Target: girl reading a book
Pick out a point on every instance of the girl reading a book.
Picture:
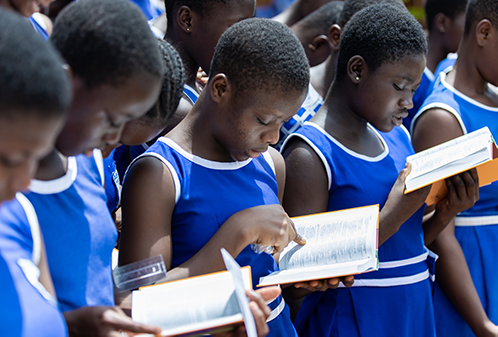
(466, 99)
(352, 154)
(213, 181)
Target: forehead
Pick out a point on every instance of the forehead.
(27, 132)
(277, 103)
(409, 67)
(229, 11)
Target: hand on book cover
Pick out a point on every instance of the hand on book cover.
(322, 285)
(104, 321)
(259, 309)
(268, 225)
(463, 192)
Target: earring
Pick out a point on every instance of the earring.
(357, 78)
(312, 47)
(441, 29)
(188, 29)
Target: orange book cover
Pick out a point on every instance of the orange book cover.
(487, 172)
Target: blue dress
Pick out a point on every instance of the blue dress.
(396, 300)
(207, 194)
(117, 162)
(78, 231)
(26, 308)
(310, 106)
(37, 25)
(419, 96)
(476, 228)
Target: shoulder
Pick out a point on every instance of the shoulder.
(433, 127)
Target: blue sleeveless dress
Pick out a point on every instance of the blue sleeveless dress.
(190, 94)
(207, 194)
(26, 308)
(312, 103)
(476, 228)
(78, 231)
(116, 164)
(419, 96)
(395, 300)
(34, 20)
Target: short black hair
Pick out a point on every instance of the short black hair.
(261, 54)
(478, 10)
(172, 87)
(324, 17)
(450, 8)
(380, 33)
(106, 42)
(32, 79)
(353, 6)
(198, 6)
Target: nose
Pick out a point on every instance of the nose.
(113, 135)
(407, 101)
(271, 136)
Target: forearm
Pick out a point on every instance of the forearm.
(208, 259)
(453, 275)
(433, 225)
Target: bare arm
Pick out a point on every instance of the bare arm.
(434, 127)
(455, 279)
(147, 208)
(306, 192)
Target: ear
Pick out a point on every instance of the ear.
(441, 23)
(335, 37)
(484, 32)
(320, 50)
(357, 69)
(220, 88)
(184, 18)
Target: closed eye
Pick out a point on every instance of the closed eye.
(261, 122)
(397, 87)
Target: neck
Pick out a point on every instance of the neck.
(195, 132)
(53, 166)
(436, 52)
(465, 76)
(291, 15)
(342, 121)
(190, 65)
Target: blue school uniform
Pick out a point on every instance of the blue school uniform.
(112, 182)
(78, 231)
(37, 23)
(207, 194)
(476, 228)
(310, 106)
(190, 94)
(443, 67)
(396, 300)
(419, 96)
(26, 308)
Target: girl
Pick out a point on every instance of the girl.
(33, 100)
(116, 77)
(212, 182)
(466, 295)
(350, 155)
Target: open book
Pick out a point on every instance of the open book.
(198, 305)
(337, 244)
(458, 155)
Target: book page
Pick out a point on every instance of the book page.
(443, 154)
(187, 304)
(340, 237)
